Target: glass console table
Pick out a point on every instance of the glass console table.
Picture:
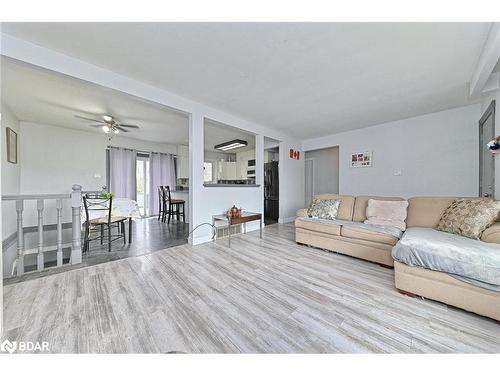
(243, 219)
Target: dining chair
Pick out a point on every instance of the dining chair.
(161, 203)
(95, 205)
(174, 206)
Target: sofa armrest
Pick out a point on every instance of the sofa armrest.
(492, 234)
(302, 212)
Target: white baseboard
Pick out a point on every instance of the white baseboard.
(286, 220)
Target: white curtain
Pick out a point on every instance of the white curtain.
(122, 172)
(161, 173)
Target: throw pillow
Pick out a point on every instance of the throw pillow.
(324, 209)
(388, 213)
(469, 217)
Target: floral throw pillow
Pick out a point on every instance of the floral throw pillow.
(324, 209)
(469, 217)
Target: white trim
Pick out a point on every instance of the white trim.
(487, 61)
(287, 220)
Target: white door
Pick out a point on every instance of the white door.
(309, 180)
(486, 158)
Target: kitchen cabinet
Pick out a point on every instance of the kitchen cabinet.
(182, 161)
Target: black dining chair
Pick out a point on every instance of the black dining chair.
(161, 203)
(174, 206)
(95, 203)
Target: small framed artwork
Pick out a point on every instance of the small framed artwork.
(361, 159)
(11, 146)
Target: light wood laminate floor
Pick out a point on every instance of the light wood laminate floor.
(260, 296)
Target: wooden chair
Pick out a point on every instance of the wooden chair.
(174, 206)
(94, 203)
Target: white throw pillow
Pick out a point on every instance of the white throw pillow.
(388, 213)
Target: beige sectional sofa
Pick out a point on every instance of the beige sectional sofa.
(377, 247)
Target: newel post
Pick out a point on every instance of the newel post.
(76, 243)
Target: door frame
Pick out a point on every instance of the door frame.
(313, 176)
(490, 112)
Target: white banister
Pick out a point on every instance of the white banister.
(59, 207)
(75, 198)
(39, 258)
(20, 237)
(76, 203)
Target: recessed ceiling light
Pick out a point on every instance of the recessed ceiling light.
(231, 145)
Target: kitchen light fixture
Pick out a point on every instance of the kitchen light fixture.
(231, 145)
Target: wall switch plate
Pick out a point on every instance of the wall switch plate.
(97, 175)
(397, 172)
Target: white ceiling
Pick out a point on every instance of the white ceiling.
(42, 96)
(309, 79)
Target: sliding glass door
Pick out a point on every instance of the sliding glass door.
(142, 173)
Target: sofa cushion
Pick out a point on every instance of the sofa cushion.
(492, 234)
(388, 213)
(470, 260)
(427, 211)
(346, 204)
(367, 232)
(469, 217)
(361, 204)
(318, 225)
(324, 209)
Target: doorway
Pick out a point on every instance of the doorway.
(309, 181)
(326, 162)
(271, 181)
(142, 181)
(486, 158)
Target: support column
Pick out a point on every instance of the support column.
(196, 189)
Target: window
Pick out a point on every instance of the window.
(208, 168)
(142, 178)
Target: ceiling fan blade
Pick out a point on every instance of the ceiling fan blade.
(121, 129)
(96, 126)
(89, 119)
(129, 126)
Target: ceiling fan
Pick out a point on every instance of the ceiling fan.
(108, 124)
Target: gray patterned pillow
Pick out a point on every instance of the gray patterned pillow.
(324, 209)
(469, 217)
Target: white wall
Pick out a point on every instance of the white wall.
(437, 154)
(292, 186)
(11, 176)
(326, 170)
(485, 102)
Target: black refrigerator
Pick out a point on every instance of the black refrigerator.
(271, 190)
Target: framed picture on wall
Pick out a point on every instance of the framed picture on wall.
(11, 146)
(361, 159)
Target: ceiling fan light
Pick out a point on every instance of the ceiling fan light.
(116, 131)
(107, 118)
(106, 129)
